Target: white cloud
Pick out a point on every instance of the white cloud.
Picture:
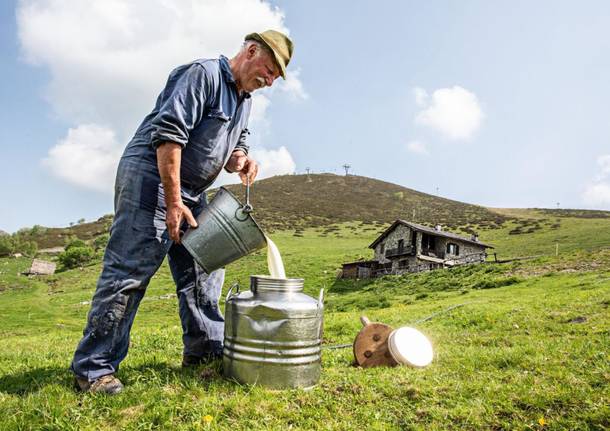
(258, 114)
(597, 193)
(273, 162)
(604, 167)
(421, 96)
(292, 86)
(109, 59)
(454, 112)
(270, 162)
(86, 157)
(418, 147)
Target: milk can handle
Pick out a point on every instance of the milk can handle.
(231, 293)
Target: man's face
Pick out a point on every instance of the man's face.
(259, 70)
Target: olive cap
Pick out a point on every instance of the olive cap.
(279, 44)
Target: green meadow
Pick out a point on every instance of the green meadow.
(523, 345)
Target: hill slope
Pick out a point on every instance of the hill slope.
(296, 202)
(290, 201)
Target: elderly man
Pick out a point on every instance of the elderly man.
(198, 126)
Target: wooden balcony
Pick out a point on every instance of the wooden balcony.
(400, 251)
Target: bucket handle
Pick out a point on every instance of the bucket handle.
(230, 293)
(242, 213)
(247, 207)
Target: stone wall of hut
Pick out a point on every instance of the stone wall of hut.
(391, 241)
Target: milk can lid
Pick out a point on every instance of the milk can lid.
(267, 283)
(409, 346)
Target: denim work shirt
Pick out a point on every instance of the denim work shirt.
(199, 109)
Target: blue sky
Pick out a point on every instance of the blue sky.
(498, 104)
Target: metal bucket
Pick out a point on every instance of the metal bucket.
(225, 233)
(273, 334)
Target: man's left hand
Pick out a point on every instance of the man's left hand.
(242, 164)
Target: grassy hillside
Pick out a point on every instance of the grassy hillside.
(533, 232)
(48, 237)
(297, 202)
(527, 348)
(290, 201)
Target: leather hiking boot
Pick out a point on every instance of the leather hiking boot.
(104, 385)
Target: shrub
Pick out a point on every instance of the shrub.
(16, 243)
(494, 283)
(101, 241)
(28, 248)
(76, 256)
(75, 243)
(7, 245)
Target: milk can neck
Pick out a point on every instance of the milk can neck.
(260, 283)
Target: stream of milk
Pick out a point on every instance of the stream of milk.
(274, 260)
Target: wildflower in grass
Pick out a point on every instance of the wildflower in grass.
(208, 419)
(541, 421)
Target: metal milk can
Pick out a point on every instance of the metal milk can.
(273, 334)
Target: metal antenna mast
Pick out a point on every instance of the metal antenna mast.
(346, 167)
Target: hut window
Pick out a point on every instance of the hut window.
(453, 249)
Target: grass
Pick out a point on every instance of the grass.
(573, 234)
(526, 349)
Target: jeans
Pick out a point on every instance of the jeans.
(137, 246)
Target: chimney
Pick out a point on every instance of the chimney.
(438, 228)
(474, 237)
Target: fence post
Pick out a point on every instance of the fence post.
(556, 249)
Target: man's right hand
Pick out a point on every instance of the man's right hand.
(168, 162)
(174, 216)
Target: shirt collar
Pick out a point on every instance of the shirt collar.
(227, 74)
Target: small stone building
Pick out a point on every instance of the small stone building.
(411, 247)
(41, 267)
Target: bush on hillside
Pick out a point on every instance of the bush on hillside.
(101, 241)
(7, 245)
(75, 257)
(15, 243)
(75, 243)
(27, 248)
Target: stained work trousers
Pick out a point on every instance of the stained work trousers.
(138, 244)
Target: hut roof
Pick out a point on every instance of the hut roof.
(427, 230)
(41, 267)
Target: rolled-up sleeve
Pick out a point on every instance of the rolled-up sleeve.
(183, 104)
(241, 142)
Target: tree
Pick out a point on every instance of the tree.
(28, 248)
(76, 256)
(7, 245)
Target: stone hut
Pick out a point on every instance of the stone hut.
(41, 267)
(411, 247)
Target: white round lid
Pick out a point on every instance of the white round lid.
(411, 347)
